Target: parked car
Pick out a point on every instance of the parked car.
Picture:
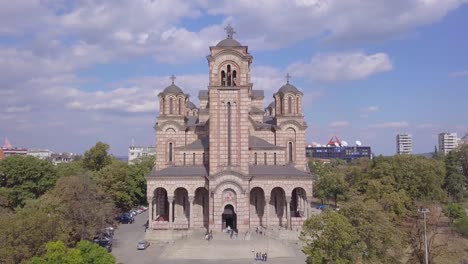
(132, 212)
(144, 208)
(107, 244)
(143, 244)
(126, 219)
(139, 211)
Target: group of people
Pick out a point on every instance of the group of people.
(232, 233)
(261, 256)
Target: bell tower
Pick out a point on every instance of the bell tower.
(229, 104)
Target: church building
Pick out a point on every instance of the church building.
(229, 162)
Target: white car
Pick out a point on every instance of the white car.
(143, 244)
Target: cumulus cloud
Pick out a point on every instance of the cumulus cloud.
(370, 109)
(339, 124)
(459, 74)
(342, 66)
(427, 125)
(18, 109)
(399, 124)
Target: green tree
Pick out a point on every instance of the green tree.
(83, 207)
(24, 234)
(94, 254)
(97, 157)
(57, 253)
(138, 173)
(330, 237)
(70, 169)
(383, 240)
(454, 212)
(23, 178)
(462, 152)
(84, 253)
(115, 180)
(331, 181)
(454, 181)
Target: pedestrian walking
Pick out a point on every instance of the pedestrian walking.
(266, 256)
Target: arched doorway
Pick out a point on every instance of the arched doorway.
(229, 217)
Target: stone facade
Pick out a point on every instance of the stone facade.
(228, 162)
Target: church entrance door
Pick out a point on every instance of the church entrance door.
(229, 217)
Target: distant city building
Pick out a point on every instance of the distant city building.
(447, 142)
(40, 153)
(463, 140)
(336, 149)
(136, 152)
(57, 158)
(9, 150)
(404, 143)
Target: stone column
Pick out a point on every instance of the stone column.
(288, 211)
(171, 201)
(267, 213)
(150, 212)
(191, 200)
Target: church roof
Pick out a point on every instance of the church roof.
(271, 105)
(191, 105)
(172, 89)
(191, 171)
(258, 143)
(203, 94)
(289, 88)
(229, 42)
(256, 110)
(258, 94)
(277, 170)
(199, 144)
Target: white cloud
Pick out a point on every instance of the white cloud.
(399, 124)
(342, 66)
(427, 125)
(370, 109)
(459, 74)
(339, 124)
(18, 109)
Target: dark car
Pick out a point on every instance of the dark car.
(105, 243)
(126, 219)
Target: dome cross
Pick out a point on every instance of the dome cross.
(172, 78)
(287, 78)
(229, 30)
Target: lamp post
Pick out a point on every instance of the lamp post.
(424, 211)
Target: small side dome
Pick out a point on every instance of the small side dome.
(172, 89)
(289, 88)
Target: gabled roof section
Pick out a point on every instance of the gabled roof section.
(203, 94)
(256, 110)
(258, 94)
(277, 170)
(258, 143)
(183, 171)
(199, 144)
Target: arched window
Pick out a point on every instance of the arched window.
(204, 158)
(223, 78)
(228, 77)
(289, 105)
(297, 105)
(193, 158)
(229, 133)
(234, 80)
(184, 159)
(180, 106)
(280, 105)
(264, 158)
(290, 147)
(170, 106)
(255, 157)
(170, 152)
(274, 158)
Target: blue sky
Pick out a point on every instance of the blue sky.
(76, 72)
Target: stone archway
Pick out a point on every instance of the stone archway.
(181, 209)
(279, 206)
(200, 208)
(257, 207)
(229, 217)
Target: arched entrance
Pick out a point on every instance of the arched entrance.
(229, 217)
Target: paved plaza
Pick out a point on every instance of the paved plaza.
(195, 249)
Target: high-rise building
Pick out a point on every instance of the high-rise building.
(404, 143)
(447, 142)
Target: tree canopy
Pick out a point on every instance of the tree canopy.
(97, 157)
